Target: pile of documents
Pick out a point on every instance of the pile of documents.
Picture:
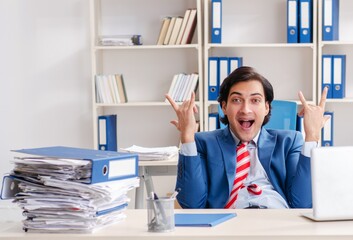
(157, 153)
(80, 194)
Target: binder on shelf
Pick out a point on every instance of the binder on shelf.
(305, 21)
(107, 133)
(163, 30)
(300, 125)
(234, 63)
(216, 28)
(213, 121)
(292, 21)
(213, 78)
(330, 20)
(176, 30)
(327, 131)
(327, 74)
(221, 115)
(183, 26)
(105, 165)
(223, 69)
(190, 27)
(339, 76)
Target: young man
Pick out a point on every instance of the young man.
(279, 159)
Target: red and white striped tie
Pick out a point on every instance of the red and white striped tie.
(241, 173)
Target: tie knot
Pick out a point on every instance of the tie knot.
(242, 145)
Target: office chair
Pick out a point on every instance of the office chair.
(283, 115)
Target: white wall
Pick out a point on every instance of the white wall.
(45, 82)
(45, 94)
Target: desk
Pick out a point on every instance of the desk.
(250, 224)
(153, 168)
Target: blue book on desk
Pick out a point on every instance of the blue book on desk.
(201, 219)
(105, 165)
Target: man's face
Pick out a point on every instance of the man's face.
(246, 109)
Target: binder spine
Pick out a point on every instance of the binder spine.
(292, 21)
(330, 20)
(216, 28)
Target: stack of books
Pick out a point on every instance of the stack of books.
(63, 189)
(178, 30)
(110, 89)
(182, 86)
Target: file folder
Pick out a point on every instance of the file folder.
(221, 115)
(300, 125)
(107, 133)
(327, 74)
(213, 78)
(105, 165)
(223, 70)
(339, 76)
(201, 219)
(330, 20)
(213, 121)
(327, 131)
(292, 21)
(216, 28)
(306, 19)
(234, 63)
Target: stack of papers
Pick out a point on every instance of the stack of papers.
(55, 195)
(148, 154)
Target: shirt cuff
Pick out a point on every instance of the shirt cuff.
(188, 149)
(307, 147)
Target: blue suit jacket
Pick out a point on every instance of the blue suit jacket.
(206, 179)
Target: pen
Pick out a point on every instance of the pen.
(175, 193)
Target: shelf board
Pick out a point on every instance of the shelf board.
(323, 43)
(339, 100)
(138, 47)
(137, 104)
(262, 45)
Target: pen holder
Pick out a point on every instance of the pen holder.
(160, 214)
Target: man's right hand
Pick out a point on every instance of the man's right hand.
(186, 122)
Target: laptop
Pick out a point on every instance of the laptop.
(332, 183)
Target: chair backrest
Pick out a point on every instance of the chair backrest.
(283, 115)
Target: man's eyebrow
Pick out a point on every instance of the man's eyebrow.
(240, 94)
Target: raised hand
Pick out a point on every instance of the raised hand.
(314, 118)
(186, 122)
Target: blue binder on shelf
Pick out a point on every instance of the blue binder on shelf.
(223, 69)
(105, 165)
(213, 121)
(330, 20)
(213, 78)
(292, 21)
(327, 131)
(221, 115)
(300, 125)
(339, 76)
(216, 23)
(327, 74)
(305, 21)
(107, 133)
(234, 63)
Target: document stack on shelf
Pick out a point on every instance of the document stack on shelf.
(157, 153)
(64, 190)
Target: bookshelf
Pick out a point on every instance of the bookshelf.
(259, 36)
(147, 69)
(342, 131)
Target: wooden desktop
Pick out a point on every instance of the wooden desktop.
(249, 224)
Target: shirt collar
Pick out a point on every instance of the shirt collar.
(253, 142)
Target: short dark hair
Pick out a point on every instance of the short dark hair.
(244, 74)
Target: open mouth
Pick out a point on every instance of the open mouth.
(246, 123)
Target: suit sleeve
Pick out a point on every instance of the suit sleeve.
(298, 177)
(192, 180)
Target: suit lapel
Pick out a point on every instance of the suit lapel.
(228, 148)
(266, 146)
